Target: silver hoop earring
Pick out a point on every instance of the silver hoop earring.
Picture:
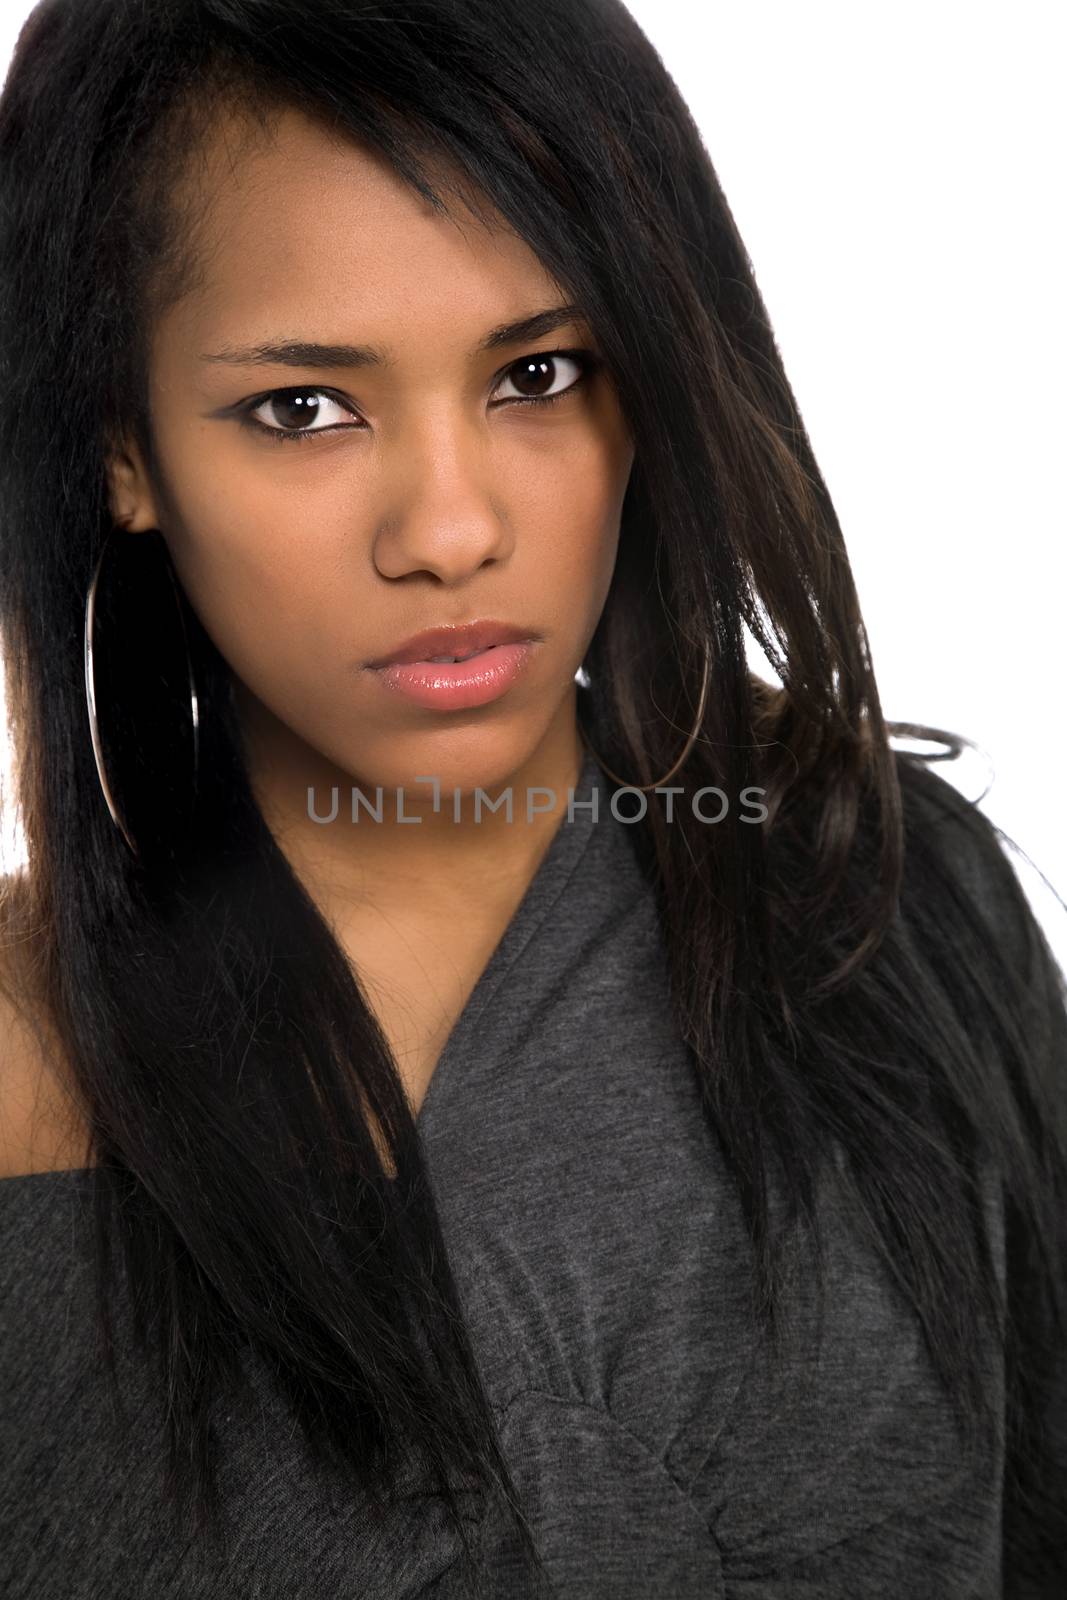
(690, 742)
(92, 671)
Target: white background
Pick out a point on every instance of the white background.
(896, 174)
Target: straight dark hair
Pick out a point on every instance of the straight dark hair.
(842, 991)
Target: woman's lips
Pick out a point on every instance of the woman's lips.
(456, 686)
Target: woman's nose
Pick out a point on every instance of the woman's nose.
(447, 513)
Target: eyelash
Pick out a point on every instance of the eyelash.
(587, 361)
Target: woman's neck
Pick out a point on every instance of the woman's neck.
(441, 852)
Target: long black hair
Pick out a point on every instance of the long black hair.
(841, 989)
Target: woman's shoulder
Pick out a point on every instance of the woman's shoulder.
(942, 823)
(39, 1130)
(962, 897)
(951, 844)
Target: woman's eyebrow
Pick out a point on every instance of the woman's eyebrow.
(306, 353)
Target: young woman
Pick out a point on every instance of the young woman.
(655, 1189)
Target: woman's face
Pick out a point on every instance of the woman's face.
(393, 495)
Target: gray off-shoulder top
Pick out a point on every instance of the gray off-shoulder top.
(600, 1254)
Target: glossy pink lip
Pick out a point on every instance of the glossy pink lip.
(460, 639)
(457, 686)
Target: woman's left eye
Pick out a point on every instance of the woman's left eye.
(541, 369)
(301, 413)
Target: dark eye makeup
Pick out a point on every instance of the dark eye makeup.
(587, 361)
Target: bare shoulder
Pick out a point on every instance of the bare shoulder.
(39, 1129)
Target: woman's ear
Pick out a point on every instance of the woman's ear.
(129, 492)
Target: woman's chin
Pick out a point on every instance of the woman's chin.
(440, 769)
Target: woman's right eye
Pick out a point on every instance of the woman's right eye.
(298, 413)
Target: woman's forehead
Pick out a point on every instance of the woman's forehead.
(307, 235)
